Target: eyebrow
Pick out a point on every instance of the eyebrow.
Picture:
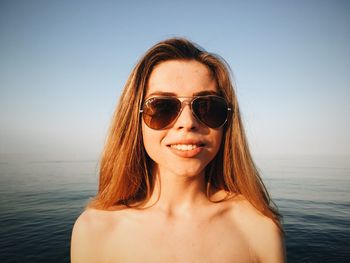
(172, 94)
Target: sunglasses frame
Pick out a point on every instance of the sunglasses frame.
(188, 101)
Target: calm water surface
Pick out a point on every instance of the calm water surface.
(40, 201)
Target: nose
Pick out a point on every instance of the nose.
(186, 119)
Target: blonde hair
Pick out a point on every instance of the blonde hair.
(125, 168)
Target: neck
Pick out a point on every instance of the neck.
(176, 194)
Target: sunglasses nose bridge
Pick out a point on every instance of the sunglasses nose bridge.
(186, 101)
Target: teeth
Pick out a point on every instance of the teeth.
(184, 147)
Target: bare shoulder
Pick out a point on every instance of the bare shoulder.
(263, 235)
(91, 221)
(88, 232)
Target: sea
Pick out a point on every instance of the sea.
(40, 201)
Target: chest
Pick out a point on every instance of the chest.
(188, 241)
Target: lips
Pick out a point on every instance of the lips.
(186, 149)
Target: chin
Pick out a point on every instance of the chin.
(185, 170)
(184, 167)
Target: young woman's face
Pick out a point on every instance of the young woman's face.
(186, 146)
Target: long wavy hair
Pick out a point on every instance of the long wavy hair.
(125, 168)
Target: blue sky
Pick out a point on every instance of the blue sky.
(64, 63)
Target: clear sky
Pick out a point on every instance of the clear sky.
(63, 65)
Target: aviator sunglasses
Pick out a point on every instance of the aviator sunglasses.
(161, 111)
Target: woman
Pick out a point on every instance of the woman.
(177, 181)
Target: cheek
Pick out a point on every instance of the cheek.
(151, 140)
(217, 138)
(147, 138)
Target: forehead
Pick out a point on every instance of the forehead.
(181, 78)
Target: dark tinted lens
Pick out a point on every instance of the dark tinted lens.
(160, 112)
(210, 110)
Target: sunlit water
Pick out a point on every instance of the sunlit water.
(39, 202)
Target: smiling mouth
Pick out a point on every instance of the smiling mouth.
(185, 147)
